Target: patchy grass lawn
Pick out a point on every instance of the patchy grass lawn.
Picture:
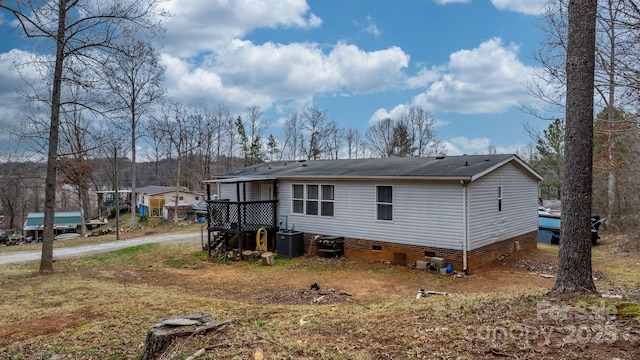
(100, 307)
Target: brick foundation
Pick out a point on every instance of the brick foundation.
(401, 254)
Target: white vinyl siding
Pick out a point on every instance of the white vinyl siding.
(502, 205)
(228, 191)
(427, 214)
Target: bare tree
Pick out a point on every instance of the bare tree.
(334, 140)
(316, 128)
(157, 146)
(574, 262)
(353, 142)
(12, 191)
(133, 75)
(175, 122)
(78, 139)
(224, 134)
(78, 29)
(380, 136)
(421, 126)
(292, 136)
(205, 124)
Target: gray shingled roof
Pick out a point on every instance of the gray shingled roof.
(465, 167)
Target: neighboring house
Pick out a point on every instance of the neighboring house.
(62, 222)
(107, 201)
(466, 209)
(152, 199)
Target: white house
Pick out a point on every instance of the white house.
(152, 199)
(466, 209)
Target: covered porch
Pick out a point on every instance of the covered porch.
(237, 208)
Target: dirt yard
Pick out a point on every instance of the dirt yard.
(318, 308)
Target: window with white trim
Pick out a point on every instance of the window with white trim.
(384, 203)
(499, 198)
(313, 199)
(326, 205)
(297, 206)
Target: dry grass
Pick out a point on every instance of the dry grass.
(100, 307)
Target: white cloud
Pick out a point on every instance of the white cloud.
(488, 79)
(422, 78)
(382, 114)
(20, 63)
(204, 25)
(528, 7)
(245, 73)
(18, 66)
(369, 27)
(471, 146)
(461, 145)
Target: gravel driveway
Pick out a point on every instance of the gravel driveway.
(21, 257)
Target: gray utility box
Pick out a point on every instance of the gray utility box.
(290, 244)
(438, 263)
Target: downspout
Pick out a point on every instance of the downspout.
(465, 238)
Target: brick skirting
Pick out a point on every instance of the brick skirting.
(401, 254)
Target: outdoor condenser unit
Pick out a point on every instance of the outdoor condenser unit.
(438, 263)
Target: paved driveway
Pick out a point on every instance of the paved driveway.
(20, 257)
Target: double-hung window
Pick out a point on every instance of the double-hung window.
(499, 198)
(297, 199)
(326, 207)
(312, 200)
(384, 203)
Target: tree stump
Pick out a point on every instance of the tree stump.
(162, 334)
(247, 255)
(267, 258)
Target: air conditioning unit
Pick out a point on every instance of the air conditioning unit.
(438, 263)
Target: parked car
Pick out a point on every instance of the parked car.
(3, 238)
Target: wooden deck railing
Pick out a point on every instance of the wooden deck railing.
(233, 216)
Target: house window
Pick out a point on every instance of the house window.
(384, 202)
(327, 201)
(499, 198)
(312, 200)
(298, 199)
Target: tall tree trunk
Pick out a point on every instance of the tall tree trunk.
(611, 136)
(86, 214)
(46, 261)
(574, 263)
(134, 200)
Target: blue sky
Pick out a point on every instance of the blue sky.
(467, 61)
